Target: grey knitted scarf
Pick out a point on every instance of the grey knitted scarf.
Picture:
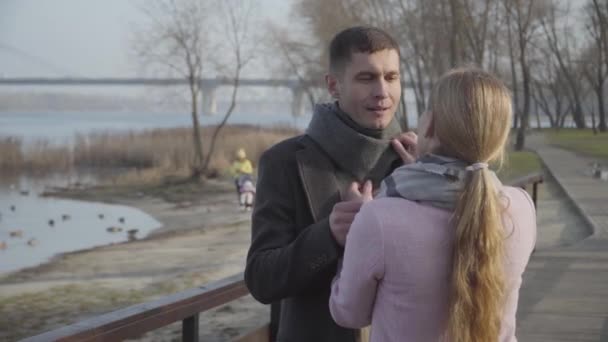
(434, 180)
(354, 149)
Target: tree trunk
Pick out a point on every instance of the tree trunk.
(405, 126)
(454, 34)
(421, 100)
(593, 122)
(562, 122)
(196, 133)
(541, 100)
(538, 126)
(417, 86)
(577, 114)
(601, 108)
(523, 125)
(219, 127)
(513, 74)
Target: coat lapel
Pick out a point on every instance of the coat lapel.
(319, 180)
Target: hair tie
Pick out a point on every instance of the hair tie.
(476, 166)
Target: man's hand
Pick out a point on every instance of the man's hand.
(405, 145)
(343, 213)
(358, 193)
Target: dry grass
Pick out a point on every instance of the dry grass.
(12, 157)
(37, 157)
(151, 154)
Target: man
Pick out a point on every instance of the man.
(310, 187)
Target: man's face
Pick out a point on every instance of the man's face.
(369, 88)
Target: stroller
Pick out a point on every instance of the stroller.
(246, 191)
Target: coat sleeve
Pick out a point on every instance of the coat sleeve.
(353, 290)
(285, 260)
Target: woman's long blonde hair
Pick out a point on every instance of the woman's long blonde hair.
(472, 116)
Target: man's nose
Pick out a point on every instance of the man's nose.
(381, 89)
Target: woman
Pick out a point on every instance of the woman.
(440, 254)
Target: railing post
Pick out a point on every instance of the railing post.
(190, 329)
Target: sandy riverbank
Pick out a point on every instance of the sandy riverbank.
(204, 238)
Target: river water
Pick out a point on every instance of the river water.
(47, 226)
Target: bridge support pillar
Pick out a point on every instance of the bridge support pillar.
(209, 101)
(297, 104)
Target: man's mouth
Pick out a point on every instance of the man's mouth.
(378, 109)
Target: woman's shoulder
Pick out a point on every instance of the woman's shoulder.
(520, 219)
(383, 204)
(402, 213)
(518, 199)
(399, 203)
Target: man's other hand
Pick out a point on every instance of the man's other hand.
(343, 213)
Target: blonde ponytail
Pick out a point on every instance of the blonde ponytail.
(472, 118)
(476, 300)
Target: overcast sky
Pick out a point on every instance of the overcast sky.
(79, 37)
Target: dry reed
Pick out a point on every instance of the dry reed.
(152, 153)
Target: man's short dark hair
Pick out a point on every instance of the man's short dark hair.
(357, 39)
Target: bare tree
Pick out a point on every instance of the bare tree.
(299, 61)
(600, 9)
(453, 14)
(423, 45)
(415, 48)
(236, 15)
(177, 41)
(594, 59)
(476, 27)
(559, 42)
(303, 45)
(550, 92)
(524, 15)
(512, 46)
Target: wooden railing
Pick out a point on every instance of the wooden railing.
(136, 320)
(532, 179)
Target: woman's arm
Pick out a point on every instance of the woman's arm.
(353, 290)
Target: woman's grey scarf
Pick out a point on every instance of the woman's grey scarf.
(355, 150)
(434, 180)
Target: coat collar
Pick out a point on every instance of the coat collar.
(317, 173)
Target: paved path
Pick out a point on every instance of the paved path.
(565, 291)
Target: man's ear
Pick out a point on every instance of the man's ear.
(429, 132)
(331, 81)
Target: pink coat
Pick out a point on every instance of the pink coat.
(397, 263)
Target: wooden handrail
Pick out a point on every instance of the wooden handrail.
(136, 320)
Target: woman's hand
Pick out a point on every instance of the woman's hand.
(405, 146)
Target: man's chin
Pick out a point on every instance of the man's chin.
(378, 125)
(379, 120)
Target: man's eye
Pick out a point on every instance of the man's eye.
(392, 77)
